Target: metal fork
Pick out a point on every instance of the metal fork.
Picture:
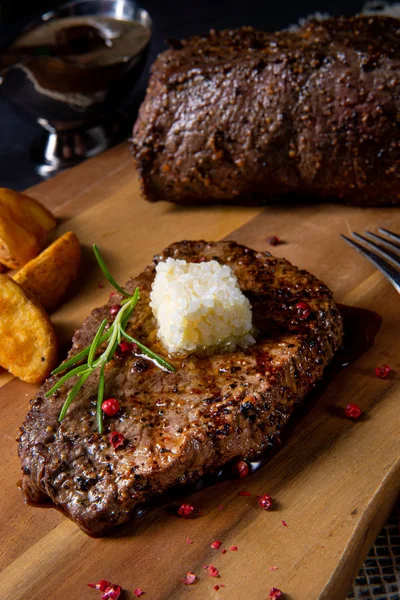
(387, 257)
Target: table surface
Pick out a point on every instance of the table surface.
(334, 482)
(176, 19)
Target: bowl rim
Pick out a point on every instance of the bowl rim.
(51, 14)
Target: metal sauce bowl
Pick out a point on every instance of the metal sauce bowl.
(76, 104)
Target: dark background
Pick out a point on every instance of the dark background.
(172, 19)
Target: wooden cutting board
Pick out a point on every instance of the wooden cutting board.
(334, 483)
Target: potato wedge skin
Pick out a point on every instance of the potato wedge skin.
(24, 224)
(49, 276)
(28, 342)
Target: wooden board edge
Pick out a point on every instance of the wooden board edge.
(364, 536)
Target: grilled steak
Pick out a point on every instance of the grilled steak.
(179, 426)
(245, 116)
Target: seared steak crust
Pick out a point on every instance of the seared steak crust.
(182, 425)
(244, 116)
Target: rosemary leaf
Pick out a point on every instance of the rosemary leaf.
(72, 394)
(77, 371)
(95, 343)
(107, 273)
(134, 300)
(100, 396)
(71, 361)
(78, 357)
(155, 357)
(111, 347)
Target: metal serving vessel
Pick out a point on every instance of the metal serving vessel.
(75, 104)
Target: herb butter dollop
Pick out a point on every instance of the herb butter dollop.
(200, 306)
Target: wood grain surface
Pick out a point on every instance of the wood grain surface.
(334, 482)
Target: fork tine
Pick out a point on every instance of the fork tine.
(379, 238)
(385, 268)
(390, 234)
(373, 246)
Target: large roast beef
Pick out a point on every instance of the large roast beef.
(245, 116)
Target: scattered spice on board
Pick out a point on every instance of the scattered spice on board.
(212, 571)
(101, 585)
(352, 411)
(185, 510)
(110, 591)
(189, 579)
(383, 371)
(273, 240)
(264, 501)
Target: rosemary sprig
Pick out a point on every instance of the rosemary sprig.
(113, 337)
(106, 272)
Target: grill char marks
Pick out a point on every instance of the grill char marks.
(242, 116)
(180, 426)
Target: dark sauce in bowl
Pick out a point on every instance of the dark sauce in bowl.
(70, 72)
(88, 41)
(74, 60)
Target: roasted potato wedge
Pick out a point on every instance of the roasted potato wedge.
(28, 343)
(24, 224)
(49, 276)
